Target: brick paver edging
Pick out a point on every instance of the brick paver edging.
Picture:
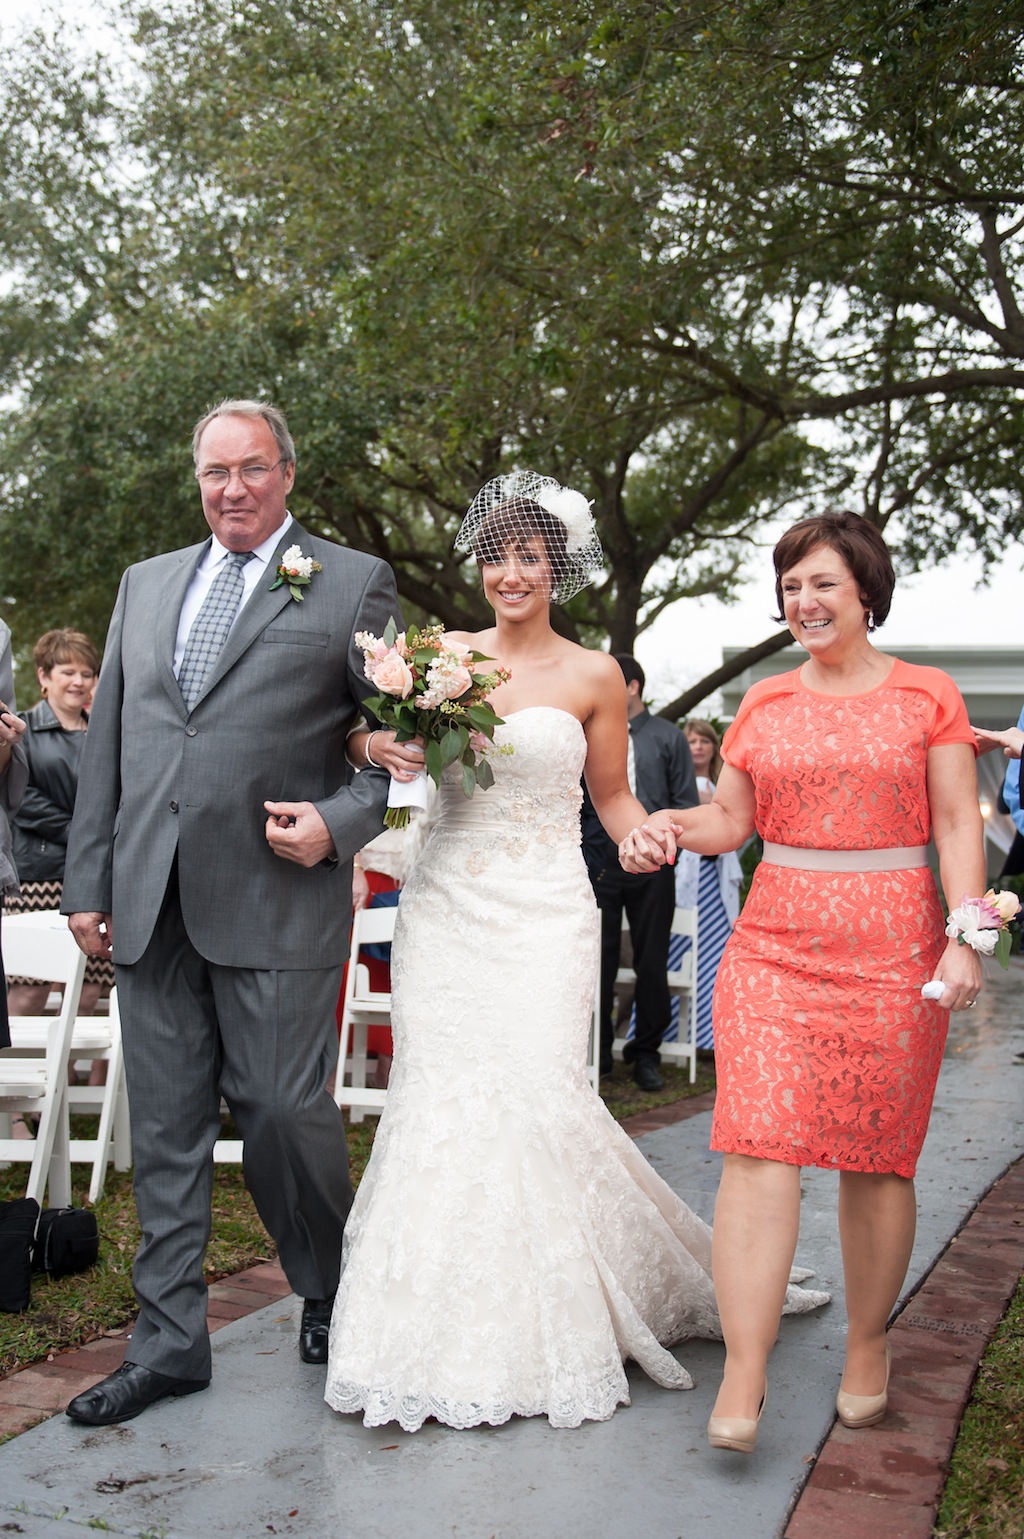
(888, 1480)
(33, 1394)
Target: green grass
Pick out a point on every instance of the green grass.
(984, 1494)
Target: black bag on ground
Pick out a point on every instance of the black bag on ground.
(67, 1240)
(18, 1221)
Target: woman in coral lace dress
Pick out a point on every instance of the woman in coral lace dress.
(827, 1054)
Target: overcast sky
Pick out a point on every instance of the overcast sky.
(941, 607)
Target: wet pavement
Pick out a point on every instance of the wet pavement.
(260, 1453)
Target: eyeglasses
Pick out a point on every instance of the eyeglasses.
(251, 475)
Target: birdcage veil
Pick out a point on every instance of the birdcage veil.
(523, 505)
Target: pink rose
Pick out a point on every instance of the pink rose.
(458, 652)
(479, 741)
(393, 676)
(1005, 904)
(457, 682)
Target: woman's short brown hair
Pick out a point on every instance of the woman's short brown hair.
(64, 646)
(861, 547)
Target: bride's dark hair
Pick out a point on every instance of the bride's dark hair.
(512, 524)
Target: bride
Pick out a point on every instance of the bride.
(509, 1247)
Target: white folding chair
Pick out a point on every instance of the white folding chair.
(362, 1007)
(682, 983)
(41, 946)
(97, 1039)
(594, 1052)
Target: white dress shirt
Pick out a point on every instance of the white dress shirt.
(252, 574)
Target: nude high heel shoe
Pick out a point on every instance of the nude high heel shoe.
(865, 1410)
(736, 1433)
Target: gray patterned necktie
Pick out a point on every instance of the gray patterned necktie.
(211, 626)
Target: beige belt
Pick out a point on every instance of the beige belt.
(902, 859)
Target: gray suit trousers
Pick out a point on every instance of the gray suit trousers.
(266, 1041)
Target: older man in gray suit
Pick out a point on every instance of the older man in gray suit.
(210, 856)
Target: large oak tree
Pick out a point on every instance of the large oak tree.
(710, 263)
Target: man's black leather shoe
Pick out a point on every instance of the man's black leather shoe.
(313, 1331)
(127, 1392)
(646, 1075)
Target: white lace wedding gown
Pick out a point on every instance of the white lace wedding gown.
(509, 1246)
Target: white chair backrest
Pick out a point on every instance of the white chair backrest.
(684, 922)
(373, 926)
(40, 946)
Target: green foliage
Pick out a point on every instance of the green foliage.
(711, 264)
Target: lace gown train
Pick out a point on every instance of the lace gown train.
(509, 1246)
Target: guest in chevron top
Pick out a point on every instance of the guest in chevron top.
(66, 663)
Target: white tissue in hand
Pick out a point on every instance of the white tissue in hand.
(933, 989)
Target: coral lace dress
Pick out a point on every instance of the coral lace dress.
(826, 1054)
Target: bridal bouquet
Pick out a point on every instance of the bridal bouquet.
(983, 924)
(428, 688)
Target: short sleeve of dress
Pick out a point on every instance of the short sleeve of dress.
(742, 730)
(950, 723)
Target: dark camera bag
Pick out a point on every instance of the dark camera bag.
(67, 1240)
(18, 1221)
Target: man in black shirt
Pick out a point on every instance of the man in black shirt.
(661, 775)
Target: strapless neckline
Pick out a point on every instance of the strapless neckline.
(558, 710)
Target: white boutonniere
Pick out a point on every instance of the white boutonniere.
(297, 571)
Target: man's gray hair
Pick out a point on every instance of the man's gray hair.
(271, 415)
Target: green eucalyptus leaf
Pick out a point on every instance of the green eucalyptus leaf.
(484, 775)
(434, 762)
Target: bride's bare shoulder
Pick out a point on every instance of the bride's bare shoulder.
(601, 669)
(478, 640)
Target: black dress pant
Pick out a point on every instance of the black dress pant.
(5, 1027)
(648, 903)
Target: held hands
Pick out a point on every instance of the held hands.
(959, 973)
(94, 933)
(650, 846)
(295, 831)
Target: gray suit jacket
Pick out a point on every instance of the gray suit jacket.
(270, 725)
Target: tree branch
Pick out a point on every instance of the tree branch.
(683, 704)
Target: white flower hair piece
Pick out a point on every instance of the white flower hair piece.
(504, 512)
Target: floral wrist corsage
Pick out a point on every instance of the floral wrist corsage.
(984, 924)
(297, 571)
